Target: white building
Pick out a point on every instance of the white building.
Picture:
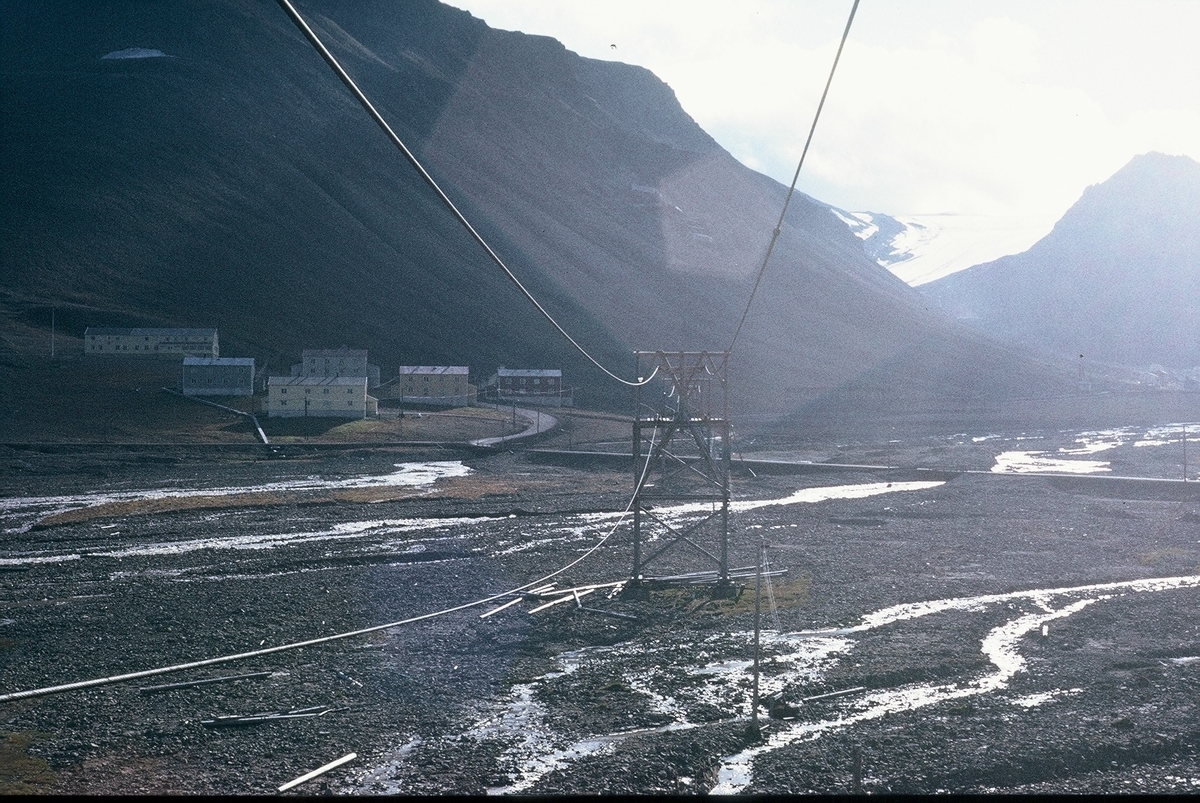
(337, 362)
(319, 397)
(169, 343)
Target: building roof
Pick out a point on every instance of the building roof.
(547, 372)
(218, 361)
(114, 331)
(433, 369)
(342, 352)
(313, 381)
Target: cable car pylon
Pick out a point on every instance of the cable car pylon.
(681, 454)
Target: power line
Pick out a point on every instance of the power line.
(792, 189)
(378, 118)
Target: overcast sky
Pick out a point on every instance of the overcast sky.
(1005, 109)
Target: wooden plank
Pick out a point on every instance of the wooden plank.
(308, 776)
(565, 598)
(508, 604)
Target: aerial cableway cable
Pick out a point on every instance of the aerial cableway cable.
(792, 189)
(295, 645)
(412, 159)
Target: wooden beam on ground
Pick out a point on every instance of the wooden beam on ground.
(308, 776)
(568, 597)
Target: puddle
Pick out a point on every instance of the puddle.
(805, 496)
(379, 779)
(407, 474)
(579, 526)
(341, 532)
(1029, 701)
(1089, 442)
(1039, 462)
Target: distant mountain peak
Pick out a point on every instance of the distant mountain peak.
(1116, 278)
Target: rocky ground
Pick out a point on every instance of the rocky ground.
(967, 697)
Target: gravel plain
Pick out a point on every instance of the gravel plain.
(1046, 639)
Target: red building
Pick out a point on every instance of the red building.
(531, 386)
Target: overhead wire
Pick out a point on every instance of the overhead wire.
(241, 656)
(365, 102)
(779, 228)
(445, 199)
(771, 592)
(792, 189)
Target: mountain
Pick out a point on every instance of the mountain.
(1117, 279)
(197, 164)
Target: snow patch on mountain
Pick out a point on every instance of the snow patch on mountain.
(135, 53)
(921, 248)
(861, 223)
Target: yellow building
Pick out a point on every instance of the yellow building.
(319, 397)
(443, 385)
(171, 343)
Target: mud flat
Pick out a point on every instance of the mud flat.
(992, 631)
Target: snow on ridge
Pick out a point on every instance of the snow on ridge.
(135, 53)
(914, 236)
(862, 224)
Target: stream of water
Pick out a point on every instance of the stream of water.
(677, 679)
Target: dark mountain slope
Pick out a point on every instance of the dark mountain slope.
(1117, 279)
(234, 182)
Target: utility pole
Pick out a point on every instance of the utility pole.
(53, 310)
(753, 731)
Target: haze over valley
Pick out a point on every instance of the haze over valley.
(171, 191)
(282, 442)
